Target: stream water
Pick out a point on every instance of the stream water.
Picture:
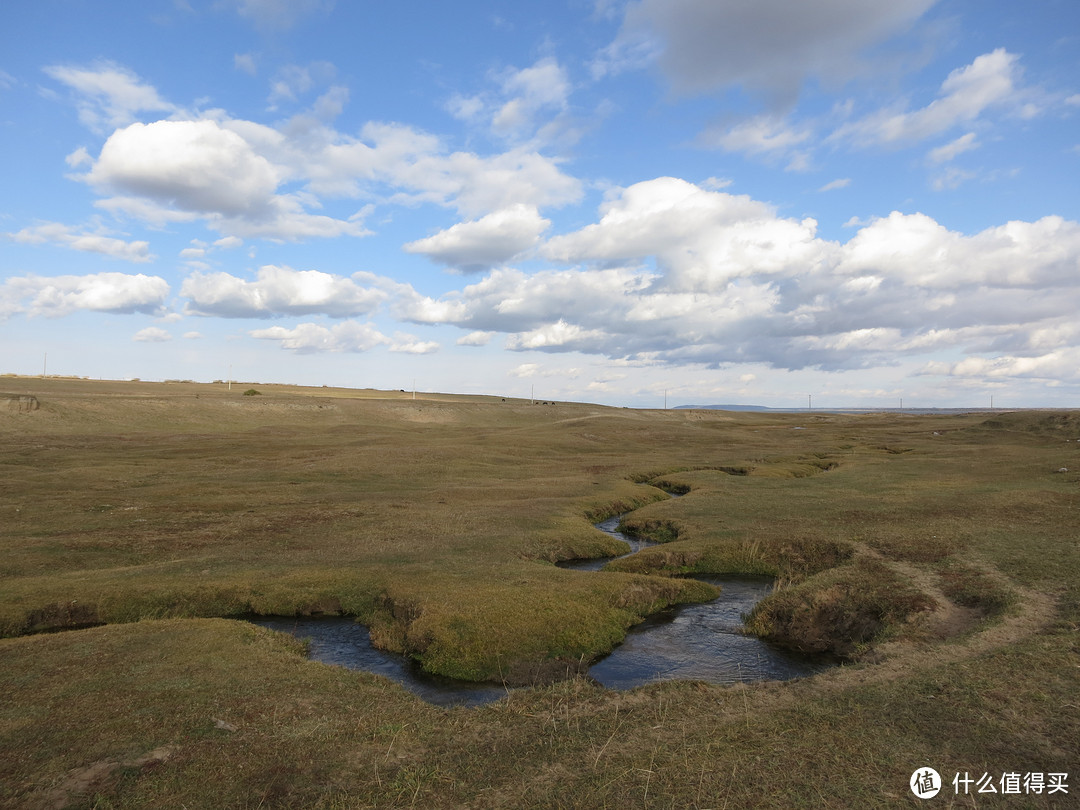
(692, 642)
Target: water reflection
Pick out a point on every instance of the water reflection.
(341, 641)
(703, 642)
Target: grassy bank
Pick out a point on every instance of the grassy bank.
(938, 553)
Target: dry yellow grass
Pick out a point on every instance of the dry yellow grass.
(156, 507)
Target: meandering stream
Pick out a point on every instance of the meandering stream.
(698, 642)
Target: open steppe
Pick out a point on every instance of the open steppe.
(937, 556)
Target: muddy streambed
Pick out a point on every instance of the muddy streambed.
(692, 642)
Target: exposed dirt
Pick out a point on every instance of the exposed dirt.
(96, 777)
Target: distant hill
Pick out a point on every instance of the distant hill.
(723, 407)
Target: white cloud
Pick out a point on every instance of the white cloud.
(989, 81)
(767, 46)
(716, 183)
(766, 135)
(195, 166)
(833, 185)
(561, 335)
(699, 238)
(919, 251)
(193, 335)
(151, 334)
(56, 296)
(56, 233)
(310, 338)
(736, 284)
(475, 339)
(245, 62)
(943, 154)
(417, 169)
(78, 158)
(526, 99)
(480, 244)
(952, 177)
(279, 291)
(110, 96)
(292, 81)
(524, 370)
(411, 344)
(1061, 365)
(181, 169)
(246, 180)
(528, 92)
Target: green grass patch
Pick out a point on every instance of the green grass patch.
(839, 611)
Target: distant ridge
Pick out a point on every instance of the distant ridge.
(723, 407)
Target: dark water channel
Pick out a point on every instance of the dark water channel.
(692, 642)
(696, 642)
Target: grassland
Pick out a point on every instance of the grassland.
(938, 555)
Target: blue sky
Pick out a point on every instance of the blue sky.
(712, 200)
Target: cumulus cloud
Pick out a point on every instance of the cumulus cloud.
(770, 47)
(56, 296)
(248, 180)
(204, 169)
(56, 233)
(151, 334)
(700, 238)
(477, 338)
(1055, 367)
(716, 279)
(279, 291)
(411, 344)
(480, 244)
(311, 338)
(195, 166)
